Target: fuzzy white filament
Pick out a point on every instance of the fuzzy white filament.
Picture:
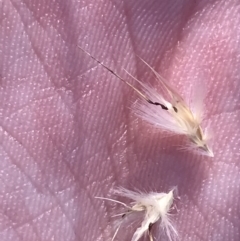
(177, 117)
(153, 209)
(169, 111)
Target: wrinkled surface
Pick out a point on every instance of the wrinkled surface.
(67, 133)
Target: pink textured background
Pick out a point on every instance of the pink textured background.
(67, 133)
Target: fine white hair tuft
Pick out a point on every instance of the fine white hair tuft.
(153, 208)
(168, 110)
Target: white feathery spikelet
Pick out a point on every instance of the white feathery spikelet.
(169, 111)
(153, 209)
